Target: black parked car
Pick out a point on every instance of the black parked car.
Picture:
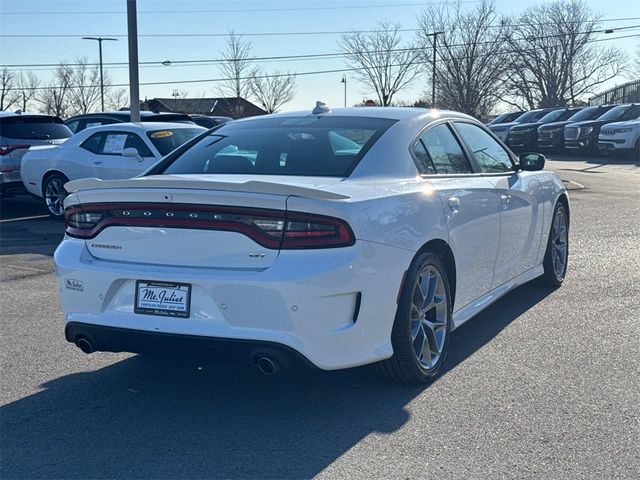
(524, 137)
(506, 117)
(551, 135)
(80, 122)
(502, 129)
(209, 121)
(584, 135)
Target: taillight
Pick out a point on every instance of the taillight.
(7, 149)
(275, 229)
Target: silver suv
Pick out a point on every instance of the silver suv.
(18, 132)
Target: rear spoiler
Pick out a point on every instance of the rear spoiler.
(174, 181)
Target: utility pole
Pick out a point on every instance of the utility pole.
(433, 72)
(344, 80)
(134, 83)
(100, 40)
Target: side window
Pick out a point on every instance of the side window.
(134, 141)
(490, 155)
(423, 162)
(93, 143)
(445, 151)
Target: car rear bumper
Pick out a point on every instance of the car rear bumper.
(334, 307)
(11, 183)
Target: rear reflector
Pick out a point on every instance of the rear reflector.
(275, 229)
(7, 149)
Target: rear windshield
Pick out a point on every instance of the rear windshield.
(168, 139)
(314, 146)
(33, 128)
(178, 118)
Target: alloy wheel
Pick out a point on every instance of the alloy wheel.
(54, 195)
(559, 244)
(428, 321)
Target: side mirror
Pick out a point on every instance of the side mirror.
(131, 152)
(531, 162)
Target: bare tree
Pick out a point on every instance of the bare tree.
(382, 63)
(116, 98)
(469, 55)
(84, 92)
(8, 95)
(273, 90)
(558, 64)
(26, 86)
(236, 68)
(635, 67)
(54, 99)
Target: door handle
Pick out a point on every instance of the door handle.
(454, 203)
(98, 162)
(505, 200)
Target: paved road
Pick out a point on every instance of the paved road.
(544, 384)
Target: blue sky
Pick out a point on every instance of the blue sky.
(90, 17)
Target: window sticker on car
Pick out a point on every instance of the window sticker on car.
(93, 124)
(114, 143)
(163, 134)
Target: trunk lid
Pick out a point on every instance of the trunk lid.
(191, 221)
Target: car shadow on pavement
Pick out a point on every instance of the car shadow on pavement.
(149, 418)
(596, 161)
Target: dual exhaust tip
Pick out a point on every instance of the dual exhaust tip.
(267, 364)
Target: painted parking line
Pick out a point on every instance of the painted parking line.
(24, 218)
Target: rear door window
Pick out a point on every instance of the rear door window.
(488, 153)
(445, 151)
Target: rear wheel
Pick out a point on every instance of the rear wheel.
(54, 194)
(557, 254)
(420, 334)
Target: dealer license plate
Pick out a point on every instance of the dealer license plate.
(163, 298)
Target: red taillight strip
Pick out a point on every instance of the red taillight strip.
(342, 235)
(6, 149)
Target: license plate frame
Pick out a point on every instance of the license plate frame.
(174, 302)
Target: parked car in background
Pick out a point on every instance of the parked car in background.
(584, 135)
(502, 129)
(285, 245)
(18, 132)
(524, 137)
(80, 122)
(506, 117)
(551, 135)
(111, 151)
(620, 137)
(209, 121)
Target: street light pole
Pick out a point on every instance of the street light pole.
(134, 83)
(433, 72)
(344, 80)
(100, 40)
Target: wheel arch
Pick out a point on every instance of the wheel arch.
(442, 249)
(564, 199)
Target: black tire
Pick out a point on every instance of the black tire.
(404, 366)
(552, 276)
(53, 203)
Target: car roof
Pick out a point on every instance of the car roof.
(391, 113)
(125, 114)
(24, 114)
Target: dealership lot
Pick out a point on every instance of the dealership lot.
(541, 384)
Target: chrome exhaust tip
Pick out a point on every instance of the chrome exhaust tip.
(268, 365)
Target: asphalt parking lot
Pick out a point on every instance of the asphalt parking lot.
(543, 384)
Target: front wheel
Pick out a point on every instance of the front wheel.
(420, 334)
(556, 257)
(54, 193)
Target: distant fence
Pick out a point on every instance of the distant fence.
(626, 93)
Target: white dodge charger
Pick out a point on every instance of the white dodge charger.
(341, 237)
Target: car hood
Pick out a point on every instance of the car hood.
(524, 126)
(589, 123)
(628, 123)
(548, 126)
(503, 125)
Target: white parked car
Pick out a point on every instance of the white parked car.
(344, 237)
(116, 151)
(621, 137)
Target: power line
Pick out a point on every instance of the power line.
(274, 34)
(315, 72)
(243, 10)
(196, 62)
